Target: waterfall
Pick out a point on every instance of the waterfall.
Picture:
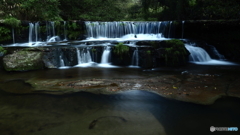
(119, 29)
(83, 55)
(106, 55)
(53, 28)
(50, 30)
(36, 31)
(135, 58)
(200, 56)
(197, 54)
(61, 61)
(33, 33)
(30, 33)
(65, 31)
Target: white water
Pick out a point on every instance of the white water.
(54, 39)
(50, 30)
(61, 61)
(36, 31)
(201, 57)
(83, 56)
(106, 55)
(135, 58)
(65, 31)
(119, 29)
(134, 37)
(30, 33)
(197, 54)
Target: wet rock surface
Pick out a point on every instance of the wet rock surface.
(191, 86)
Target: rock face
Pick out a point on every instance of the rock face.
(23, 60)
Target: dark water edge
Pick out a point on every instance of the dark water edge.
(39, 113)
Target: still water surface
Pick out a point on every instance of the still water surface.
(130, 113)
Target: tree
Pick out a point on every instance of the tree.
(32, 10)
(107, 10)
(190, 9)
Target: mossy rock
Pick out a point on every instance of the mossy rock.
(174, 52)
(120, 49)
(23, 61)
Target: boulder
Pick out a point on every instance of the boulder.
(23, 60)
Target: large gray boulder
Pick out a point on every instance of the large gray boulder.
(23, 60)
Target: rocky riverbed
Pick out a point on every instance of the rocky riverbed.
(197, 84)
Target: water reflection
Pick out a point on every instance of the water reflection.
(132, 112)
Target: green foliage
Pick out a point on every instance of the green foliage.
(118, 10)
(190, 9)
(5, 33)
(13, 22)
(32, 10)
(73, 30)
(120, 49)
(175, 52)
(2, 50)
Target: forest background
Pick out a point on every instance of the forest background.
(119, 10)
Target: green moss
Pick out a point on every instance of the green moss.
(120, 48)
(175, 52)
(13, 22)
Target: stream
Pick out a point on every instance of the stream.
(126, 113)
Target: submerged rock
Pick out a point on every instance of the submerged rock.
(23, 60)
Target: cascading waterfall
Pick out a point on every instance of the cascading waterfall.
(197, 54)
(106, 55)
(65, 31)
(119, 29)
(83, 55)
(135, 58)
(50, 30)
(33, 33)
(36, 31)
(200, 56)
(30, 33)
